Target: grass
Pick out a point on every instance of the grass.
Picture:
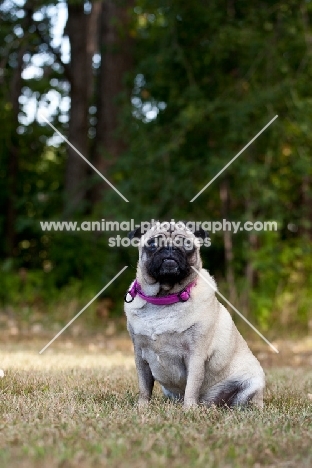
(77, 408)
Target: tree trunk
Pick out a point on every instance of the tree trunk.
(250, 272)
(13, 151)
(80, 66)
(307, 206)
(116, 61)
(93, 30)
(228, 241)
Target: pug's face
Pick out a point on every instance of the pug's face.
(168, 251)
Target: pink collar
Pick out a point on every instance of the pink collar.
(182, 296)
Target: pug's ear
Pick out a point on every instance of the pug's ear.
(201, 233)
(136, 233)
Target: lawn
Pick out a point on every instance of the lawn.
(75, 406)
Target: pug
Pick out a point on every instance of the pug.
(183, 337)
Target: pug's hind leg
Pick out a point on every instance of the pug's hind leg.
(252, 393)
(236, 392)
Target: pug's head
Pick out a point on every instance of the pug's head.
(167, 251)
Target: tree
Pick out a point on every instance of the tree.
(115, 44)
(82, 29)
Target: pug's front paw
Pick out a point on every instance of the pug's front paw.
(189, 403)
(143, 403)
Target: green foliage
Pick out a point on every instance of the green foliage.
(218, 74)
(207, 76)
(283, 293)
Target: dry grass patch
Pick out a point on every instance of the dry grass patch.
(78, 409)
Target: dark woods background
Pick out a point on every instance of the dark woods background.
(159, 96)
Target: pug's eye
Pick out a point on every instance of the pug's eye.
(188, 244)
(152, 244)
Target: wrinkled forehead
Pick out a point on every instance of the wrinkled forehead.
(169, 230)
